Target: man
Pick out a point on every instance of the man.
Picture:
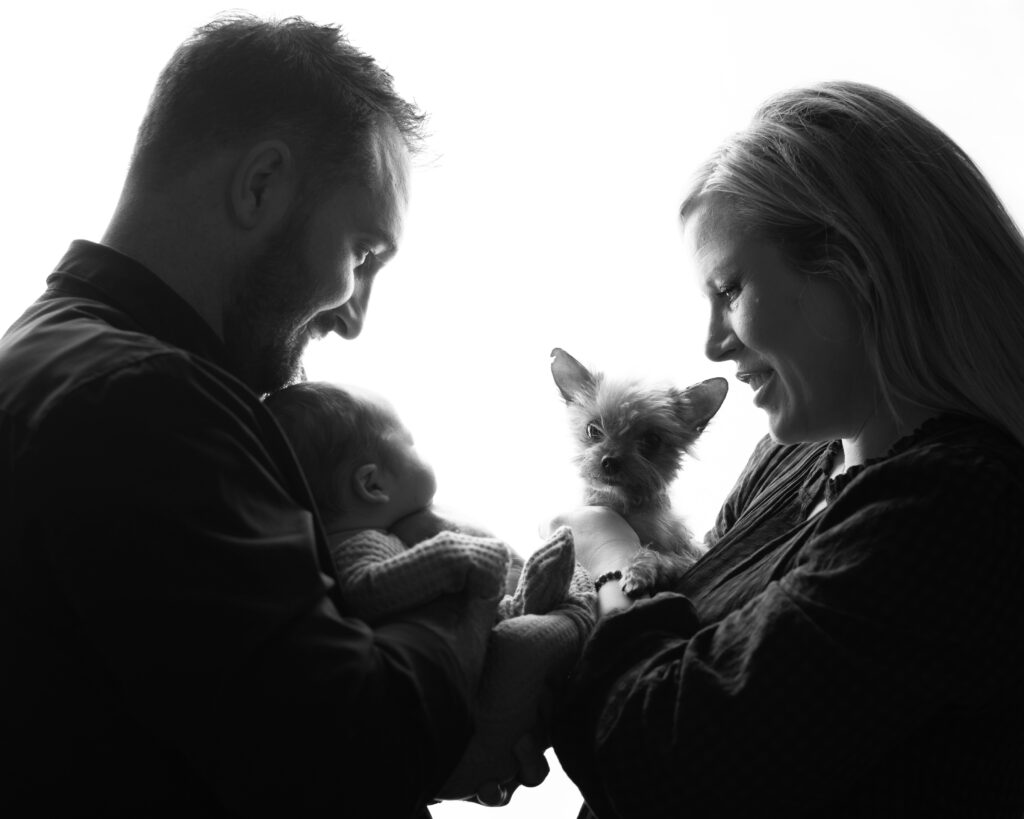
(174, 644)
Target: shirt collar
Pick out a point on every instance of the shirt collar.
(98, 272)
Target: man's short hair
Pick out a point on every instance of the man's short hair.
(241, 78)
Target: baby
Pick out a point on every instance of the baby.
(366, 477)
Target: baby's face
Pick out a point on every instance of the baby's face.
(414, 484)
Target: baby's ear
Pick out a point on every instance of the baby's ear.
(368, 484)
(571, 377)
(698, 404)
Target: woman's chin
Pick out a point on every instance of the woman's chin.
(784, 430)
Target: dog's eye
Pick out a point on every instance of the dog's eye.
(594, 432)
(650, 443)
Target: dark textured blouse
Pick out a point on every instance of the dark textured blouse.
(864, 662)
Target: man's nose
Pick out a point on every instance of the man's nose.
(350, 316)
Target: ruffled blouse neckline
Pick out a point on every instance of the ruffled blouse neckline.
(820, 479)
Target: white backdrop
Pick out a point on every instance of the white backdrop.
(544, 212)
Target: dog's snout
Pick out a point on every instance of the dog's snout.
(610, 465)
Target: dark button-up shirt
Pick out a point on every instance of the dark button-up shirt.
(172, 637)
(866, 661)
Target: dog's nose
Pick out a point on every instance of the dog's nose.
(610, 465)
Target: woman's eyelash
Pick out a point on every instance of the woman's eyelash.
(729, 291)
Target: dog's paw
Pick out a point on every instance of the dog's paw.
(641, 576)
(652, 571)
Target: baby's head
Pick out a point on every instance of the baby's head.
(360, 461)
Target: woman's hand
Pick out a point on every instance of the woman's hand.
(604, 541)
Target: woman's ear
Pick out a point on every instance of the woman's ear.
(368, 484)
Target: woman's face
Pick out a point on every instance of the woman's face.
(795, 337)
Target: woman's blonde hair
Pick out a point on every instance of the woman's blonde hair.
(852, 183)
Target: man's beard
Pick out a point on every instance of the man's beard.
(265, 325)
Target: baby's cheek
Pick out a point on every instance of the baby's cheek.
(431, 486)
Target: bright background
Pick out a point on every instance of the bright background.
(543, 214)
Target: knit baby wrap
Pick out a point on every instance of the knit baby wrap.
(545, 615)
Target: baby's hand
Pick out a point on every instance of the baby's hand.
(427, 523)
(419, 526)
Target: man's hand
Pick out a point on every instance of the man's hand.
(604, 541)
(464, 623)
(532, 769)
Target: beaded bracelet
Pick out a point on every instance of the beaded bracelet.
(613, 575)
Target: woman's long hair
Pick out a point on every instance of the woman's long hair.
(852, 183)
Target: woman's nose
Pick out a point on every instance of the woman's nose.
(721, 342)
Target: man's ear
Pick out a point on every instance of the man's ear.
(263, 184)
(368, 485)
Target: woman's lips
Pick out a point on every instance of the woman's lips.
(757, 380)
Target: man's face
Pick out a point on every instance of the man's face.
(316, 276)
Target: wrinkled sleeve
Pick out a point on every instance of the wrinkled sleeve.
(380, 577)
(194, 575)
(905, 599)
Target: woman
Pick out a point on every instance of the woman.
(853, 642)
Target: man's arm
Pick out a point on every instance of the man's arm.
(193, 573)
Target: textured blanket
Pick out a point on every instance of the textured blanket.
(545, 615)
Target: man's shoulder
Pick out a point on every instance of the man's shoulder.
(73, 358)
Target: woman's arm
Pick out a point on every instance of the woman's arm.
(605, 544)
(905, 604)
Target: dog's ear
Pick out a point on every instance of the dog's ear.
(698, 404)
(571, 377)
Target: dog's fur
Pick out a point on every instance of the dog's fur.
(631, 438)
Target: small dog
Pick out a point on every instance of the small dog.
(631, 438)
